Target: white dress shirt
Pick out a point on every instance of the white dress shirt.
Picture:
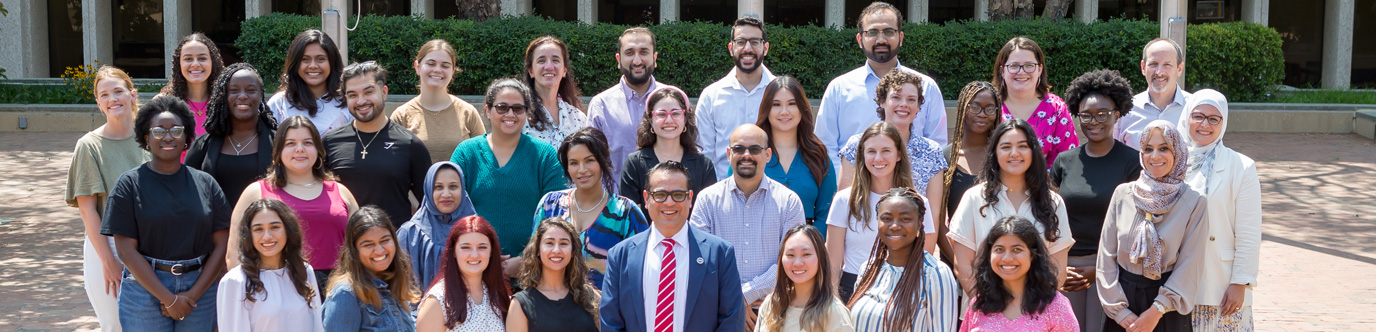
(722, 107)
(1129, 128)
(650, 277)
(848, 108)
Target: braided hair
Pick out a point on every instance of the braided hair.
(967, 96)
(906, 299)
(218, 118)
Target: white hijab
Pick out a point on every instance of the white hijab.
(1202, 156)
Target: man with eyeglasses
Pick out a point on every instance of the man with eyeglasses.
(848, 104)
(377, 159)
(652, 276)
(617, 111)
(1163, 63)
(752, 212)
(735, 99)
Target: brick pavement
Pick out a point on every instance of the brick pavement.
(1318, 248)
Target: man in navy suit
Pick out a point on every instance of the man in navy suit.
(671, 278)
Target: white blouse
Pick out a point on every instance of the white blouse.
(969, 228)
(481, 317)
(571, 119)
(328, 113)
(279, 307)
(860, 239)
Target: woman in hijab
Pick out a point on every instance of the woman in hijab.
(423, 237)
(1150, 252)
(1229, 179)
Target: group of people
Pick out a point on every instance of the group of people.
(314, 210)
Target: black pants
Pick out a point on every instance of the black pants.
(847, 286)
(1141, 292)
(322, 278)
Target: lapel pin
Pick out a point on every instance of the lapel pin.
(700, 260)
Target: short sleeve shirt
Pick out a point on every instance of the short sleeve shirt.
(172, 215)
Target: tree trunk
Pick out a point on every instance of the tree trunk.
(479, 10)
(1024, 9)
(1000, 10)
(1057, 8)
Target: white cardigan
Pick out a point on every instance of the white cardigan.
(1234, 219)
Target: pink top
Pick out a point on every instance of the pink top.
(323, 220)
(1057, 317)
(200, 112)
(1054, 126)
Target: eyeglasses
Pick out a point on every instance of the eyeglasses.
(1021, 68)
(676, 113)
(975, 110)
(1085, 117)
(176, 132)
(752, 150)
(888, 32)
(503, 109)
(1214, 120)
(677, 195)
(752, 42)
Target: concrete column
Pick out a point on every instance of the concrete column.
(256, 8)
(587, 11)
(668, 10)
(1088, 10)
(333, 23)
(1173, 24)
(97, 43)
(982, 10)
(1256, 11)
(1337, 44)
(515, 7)
(176, 23)
(26, 27)
(835, 14)
(423, 8)
(917, 10)
(750, 8)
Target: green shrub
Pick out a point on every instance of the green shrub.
(1243, 60)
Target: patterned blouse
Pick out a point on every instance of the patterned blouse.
(480, 318)
(620, 219)
(1058, 317)
(571, 119)
(937, 301)
(923, 153)
(1054, 126)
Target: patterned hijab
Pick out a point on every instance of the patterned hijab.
(1154, 197)
(1202, 156)
(428, 218)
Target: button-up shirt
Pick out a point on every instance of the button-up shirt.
(1129, 128)
(755, 225)
(617, 113)
(649, 277)
(723, 106)
(848, 108)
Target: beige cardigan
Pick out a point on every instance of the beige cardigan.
(1183, 234)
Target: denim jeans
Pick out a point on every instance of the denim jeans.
(139, 310)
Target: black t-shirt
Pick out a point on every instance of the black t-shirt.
(1086, 184)
(172, 216)
(960, 182)
(396, 162)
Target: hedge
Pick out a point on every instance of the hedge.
(1244, 60)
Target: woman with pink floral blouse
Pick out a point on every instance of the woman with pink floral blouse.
(1020, 76)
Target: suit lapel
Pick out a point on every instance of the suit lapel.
(695, 272)
(636, 269)
(1221, 164)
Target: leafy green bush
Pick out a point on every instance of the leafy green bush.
(1243, 60)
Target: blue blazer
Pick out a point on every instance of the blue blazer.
(714, 302)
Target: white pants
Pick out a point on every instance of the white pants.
(93, 272)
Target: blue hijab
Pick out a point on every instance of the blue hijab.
(424, 236)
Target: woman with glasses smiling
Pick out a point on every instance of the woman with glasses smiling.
(1020, 75)
(508, 171)
(668, 132)
(1087, 176)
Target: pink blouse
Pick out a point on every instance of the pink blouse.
(323, 220)
(1054, 126)
(1058, 317)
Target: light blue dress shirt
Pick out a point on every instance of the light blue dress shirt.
(848, 108)
(722, 107)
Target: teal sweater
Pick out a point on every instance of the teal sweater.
(508, 195)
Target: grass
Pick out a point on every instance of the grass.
(1320, 96)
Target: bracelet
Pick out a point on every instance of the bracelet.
(1159, 307)
(174, 302)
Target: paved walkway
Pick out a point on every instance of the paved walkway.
(1318, 249)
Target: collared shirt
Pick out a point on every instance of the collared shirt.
(343, 311)
(649, 278)
(617, 112)
(1129, 128)
(723, 106)
(724, 210)
(848, 108)
(937, 301)
(571, 119)
(971, 223)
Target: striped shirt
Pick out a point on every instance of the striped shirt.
(755, 225)
(937, 301)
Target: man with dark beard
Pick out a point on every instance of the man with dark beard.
(1163, 63)
(750, 211)
(617, 111)
(379, 160)
(848, 105)
(735, 99)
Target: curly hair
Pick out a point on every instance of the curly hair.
(177, 86)
(892, 82)
(1039, 185)
(575, 273)
(1040, 288)
(143, 121)
(218, 118)
(291, 255)
(907, 298)
(596, 142)
(1103, 82)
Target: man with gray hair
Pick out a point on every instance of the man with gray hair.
(1163, 64)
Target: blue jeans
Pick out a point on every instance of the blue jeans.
(139, 310)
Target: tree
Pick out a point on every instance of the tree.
(1057, 8)
(479, 10)
(1022, 9)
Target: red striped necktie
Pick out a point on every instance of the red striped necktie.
(664, 307)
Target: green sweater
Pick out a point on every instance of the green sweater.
(507, 196)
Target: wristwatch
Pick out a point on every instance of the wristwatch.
(1159, 307)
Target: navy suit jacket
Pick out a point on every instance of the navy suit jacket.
(714, 301)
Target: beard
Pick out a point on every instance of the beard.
(756, 66)
(881, 56)
(632, 79)
(745, 172)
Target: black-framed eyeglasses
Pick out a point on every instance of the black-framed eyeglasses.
(503, 109)
(752, 42)
(888, 32)
(752, 150)
(1085, 117)
(1021, 68)
(976, 110)
(677, 195)
(1213, 120)
(160, 133)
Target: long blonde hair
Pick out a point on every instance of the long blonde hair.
(860, 183)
